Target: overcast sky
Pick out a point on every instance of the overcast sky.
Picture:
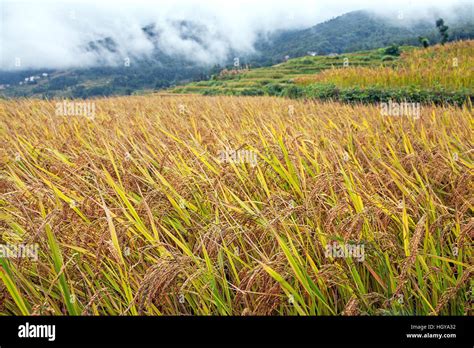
(52, 34)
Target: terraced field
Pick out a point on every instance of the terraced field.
(284, 74)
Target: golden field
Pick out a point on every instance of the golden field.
(134, 211)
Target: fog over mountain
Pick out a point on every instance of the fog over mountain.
(63, 34)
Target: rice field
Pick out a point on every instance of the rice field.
(449, 67)
(191, 205)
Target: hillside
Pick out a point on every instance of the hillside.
(437, 74)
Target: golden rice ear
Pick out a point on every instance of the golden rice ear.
(352, 307)
(246, 312)
(162, 279)
(258, 291)
(451, 292)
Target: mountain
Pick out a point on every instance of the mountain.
(354, 31)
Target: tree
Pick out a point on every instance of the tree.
(443, 30)
(393, 50)
(424, 41)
